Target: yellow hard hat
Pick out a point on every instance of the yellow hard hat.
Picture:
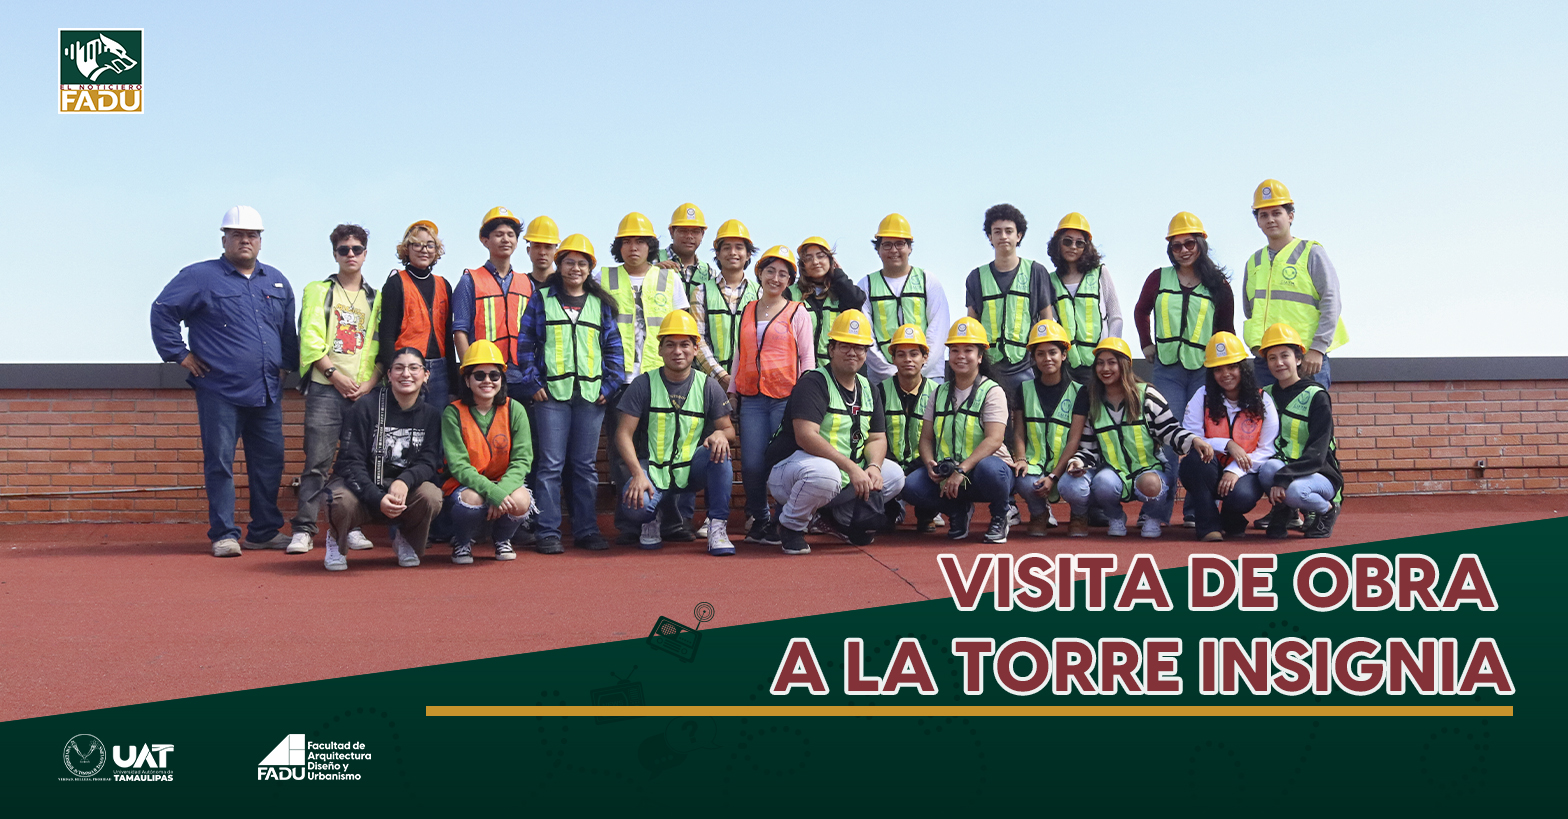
(968, 331)
(1271, 193)
(910, 334)
(1185, 222)
(1075, 221)
(814, 240)
(542, 230)
(576, 243)
(1281, 334)
(731, 229)
(635, 224)
(778, 252)
(688, 215)
(1113, 344)
(1046, 330)
(679, 323)
(1224, 348)
(427, 225)
(500, 213)
(483, 351)
(852, 327)
(894, 226)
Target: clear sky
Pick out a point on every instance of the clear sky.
(1423, 142)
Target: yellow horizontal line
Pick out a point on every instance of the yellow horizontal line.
(969, 711)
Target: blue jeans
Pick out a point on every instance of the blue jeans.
(261, 428)
(469, 521)
(760, 417)
(1178, 384)
(1314, 493)
(991, 482)
(437, 386)
(716, 478)
(568, 434)
(1260, 369)
(1211, 512)
(1104, 490)
(1023, 487)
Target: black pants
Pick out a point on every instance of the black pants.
(1210, 512)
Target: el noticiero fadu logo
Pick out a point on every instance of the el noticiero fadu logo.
(100, 71)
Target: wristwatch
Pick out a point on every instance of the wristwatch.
(330, 371)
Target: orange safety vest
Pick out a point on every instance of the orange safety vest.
(420, 319)
(1246, 432)
(772, 370)
(497, 315)
(491, 454)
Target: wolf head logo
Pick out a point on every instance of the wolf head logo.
(87, 57)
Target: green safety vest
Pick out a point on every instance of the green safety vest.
(571, 360)
(693, 276)
(1045, 431)
(1127, 447)
(1079, 315)
(1283, 293)
(723, 321)
(1183, 321)
(822, 316)
(846, 427)
(657, 300)
(903, 429)
(1006, 317)
(674, 433)
(1292, 438)
(958, 429)
(890, 312)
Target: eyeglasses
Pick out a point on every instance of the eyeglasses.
(1066, 242)
(350, 250)
(893, 244)
(485, 375)
(1184, 244)
(413, 369)
(431, 246)
(818, 256)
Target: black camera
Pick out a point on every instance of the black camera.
(946, 467)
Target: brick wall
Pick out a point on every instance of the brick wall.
(1394, 437)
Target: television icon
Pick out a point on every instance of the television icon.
(624, 692)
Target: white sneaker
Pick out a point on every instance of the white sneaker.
(702, 531)
(336, 562)
(406, 556)
(650, 538)
(227, 547)
(1014, 518)
(299, 544)
(719, 544)
(357, 540)
(1151, 528)
(1050, 517)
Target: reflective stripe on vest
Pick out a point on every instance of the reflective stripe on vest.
(723, 320)
(772, 367)
(847, 426)
(903, 429)
(497, 315)
(571, 351)
(1282, 292)
(890, 312)
(822, 315)
(1006, 316)
(1079, 314)
(1246, 430)
(674, 433)
(421, 320)
(1045, 434)
(1183, 321)
(656, 302)
(958, 430)
(1127, 446)
(488, 453)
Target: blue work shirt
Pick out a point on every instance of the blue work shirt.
(243, 328)
(530, 346)
(463, 308)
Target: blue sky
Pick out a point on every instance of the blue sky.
(1422, 142)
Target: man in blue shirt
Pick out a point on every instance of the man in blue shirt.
(240, 314)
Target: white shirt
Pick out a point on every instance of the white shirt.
(936, 324)
(1192, 421)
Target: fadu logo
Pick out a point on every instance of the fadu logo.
(287, 761)
(101, 70)
(132, 759)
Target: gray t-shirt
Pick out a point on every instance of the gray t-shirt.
(635, 400)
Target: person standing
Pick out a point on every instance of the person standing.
(542, 237)
(825, 289)
(1086, 302)
(416, 310)
(488, 301)
(718, 302)
(1290, 281)
(900, 294)
(687, 227)
(1007, 296)
(339, 321)
(1241, 424)
(240, 314)
(905, 397)
(1042, 420)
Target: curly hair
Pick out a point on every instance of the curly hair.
(402, 247)
(653, 247)
(1088, 261)
(751, 250)
(1248, 397)
(1006, 213)
(1211, 275)
(342, 232)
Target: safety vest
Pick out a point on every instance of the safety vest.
(571, 351)
(772, 367)
(1293, 428)
(421, 320)
(488, 453)
(498, 315)
(1079, 315)
(656, 302)
(723, 321)
(1246, 430)
(1283, 293)
(958, 429)
(1045, 430)
(694, 275)
(822, 315)
(1183, 321)
(903, 428)
(1127, 446)
(1006, 316)
(890, 312)
(674, 433)
(847, 426)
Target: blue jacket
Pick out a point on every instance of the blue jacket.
(244, 329)
(530, 340)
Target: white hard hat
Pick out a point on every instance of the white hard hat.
(243, 217)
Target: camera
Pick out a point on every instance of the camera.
(946, 467)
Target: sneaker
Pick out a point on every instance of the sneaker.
(463, 554)
(593, 543)
(719, 544)
(757, 531)
(336, 562)
(702, 531)
(958, 529)
(407, 555)
(1189, 523)
(1078, 526)
(997, 531)
(299, 544)
(525, 538)
(226, 547)
(650, 537)
(1014, 518)
(1297, 523)
(550, 545)
(357, 540)
(679, 532)
(1278, 521)
(504, 551)
(1050, 518)
(818, 526)
(278, 541)
(1213, 537)
(770, 534)
(925, 527)
(1151, 528)
(794, 542)
(627, 539)
(1097, 517)
(1322, 524)
(1116, 528)
(1038, 525)
(863, 537)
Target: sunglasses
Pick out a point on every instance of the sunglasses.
(350, 250)
(1066, 242)
(1185, 244)
(486, 375)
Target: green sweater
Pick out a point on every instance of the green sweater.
(457, 465)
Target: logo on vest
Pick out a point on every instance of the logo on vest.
(100, 71)
(1289, 273)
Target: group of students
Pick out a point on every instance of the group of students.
(495, 394)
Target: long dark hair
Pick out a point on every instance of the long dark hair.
(1248, 397)
(465, 393)
(1132, 408)
(590, 285)
(1087, 262)
(1210, 275)
(983, 372)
